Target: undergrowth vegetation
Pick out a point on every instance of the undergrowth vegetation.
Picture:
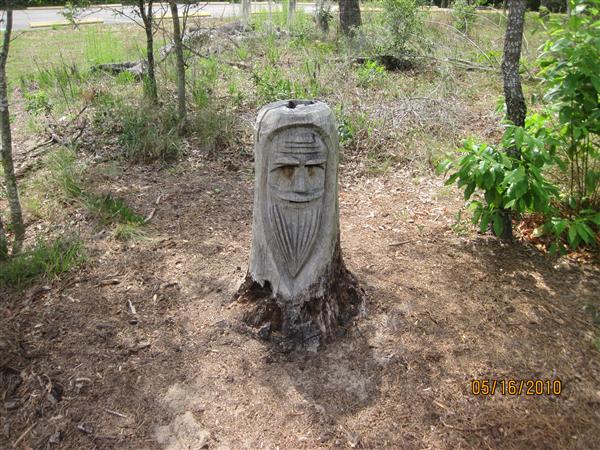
(555, 170)
(46, 259)
(406, 89)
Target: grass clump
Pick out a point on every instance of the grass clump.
(65, 180)
(272, 84)
(129, 232)
(149, 134)
(109, 209)
(46, 259)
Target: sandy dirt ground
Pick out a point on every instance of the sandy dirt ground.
(143, 348)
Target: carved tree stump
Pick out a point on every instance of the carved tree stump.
(297, 282)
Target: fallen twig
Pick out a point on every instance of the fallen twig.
(115, 413)
(150, 216)
(20, 438)
(396, 244)
(131, 307)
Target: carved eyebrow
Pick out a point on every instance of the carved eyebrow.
(286, 162)
(315, 162)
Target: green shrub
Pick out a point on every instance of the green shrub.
(561, 144)
(571, 75)
(463, 14)
(404, 21)
(506, 182)
(371, 73)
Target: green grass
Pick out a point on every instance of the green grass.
(47, 259)
(303, 64)
(129, 232)
(64, 182)
(111, 210)
(82, 48)
(149, 134)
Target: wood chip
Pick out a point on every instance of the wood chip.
(109, 282)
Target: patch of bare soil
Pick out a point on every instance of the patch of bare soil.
(143, 348)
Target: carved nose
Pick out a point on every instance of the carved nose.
(300, 179)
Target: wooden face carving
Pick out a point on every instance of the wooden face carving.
(296, 185)
(297, 166)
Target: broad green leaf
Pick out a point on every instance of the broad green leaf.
(498, 223)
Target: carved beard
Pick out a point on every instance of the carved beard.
(295, 230)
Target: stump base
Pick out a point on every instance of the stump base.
(309, 320)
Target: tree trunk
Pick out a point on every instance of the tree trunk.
(3, 242)
(150, 81)
(516, 109)
(513, 93)
(246, 10)
(7, 160)
(349, 16)
(291, 12)
(270, 21)
(180, 65)
(300, 291)
(322, 15)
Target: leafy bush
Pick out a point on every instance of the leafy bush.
(371, 73)
(561, 140)
(404, 21)
(571, 74)
(507, 182)
(464, 15)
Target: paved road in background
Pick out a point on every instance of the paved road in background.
(22, 19)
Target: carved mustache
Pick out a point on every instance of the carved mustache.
(297, 197)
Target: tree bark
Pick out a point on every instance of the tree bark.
(516, 109)
(291, 12)
(246, 9)
(321, 13)
(180, 65)
(513, 93)
(3, 242)
(6, 138)
(150, 83)
(349, 16)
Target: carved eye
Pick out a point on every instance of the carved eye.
(287, 171)
(312, 166)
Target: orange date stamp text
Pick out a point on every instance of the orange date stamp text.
(528, 387)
